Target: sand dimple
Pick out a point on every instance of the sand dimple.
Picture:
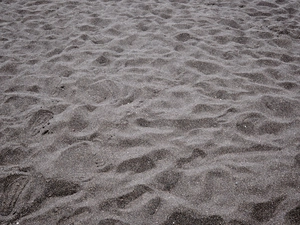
(78, 215)
(9, 68)
(183, 37)
(20, 103)
(106, 90)
(195, 154)
(237, 222)
(292, 217)
(207, 68)
(264, 211)
(59, 188)
(167, 180)
(189, 219)
(10, 155)
(123, 200)
(112, 222)
(153, 205)
(279, 106)
(137, 165)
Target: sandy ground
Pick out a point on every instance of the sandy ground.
(142, 112)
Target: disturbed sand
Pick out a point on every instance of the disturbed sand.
(142, 112)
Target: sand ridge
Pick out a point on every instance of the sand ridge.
(149, 112)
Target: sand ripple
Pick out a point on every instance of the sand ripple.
(149, 112)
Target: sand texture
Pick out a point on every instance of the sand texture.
(143, 112)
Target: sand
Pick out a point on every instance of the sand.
(147, 112)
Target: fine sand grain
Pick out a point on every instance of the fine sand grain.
(142, 112)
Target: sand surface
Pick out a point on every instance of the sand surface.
(142, 112)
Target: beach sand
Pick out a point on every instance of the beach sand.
(135, 112)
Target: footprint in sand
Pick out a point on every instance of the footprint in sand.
(39, 120)
(23, 190)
